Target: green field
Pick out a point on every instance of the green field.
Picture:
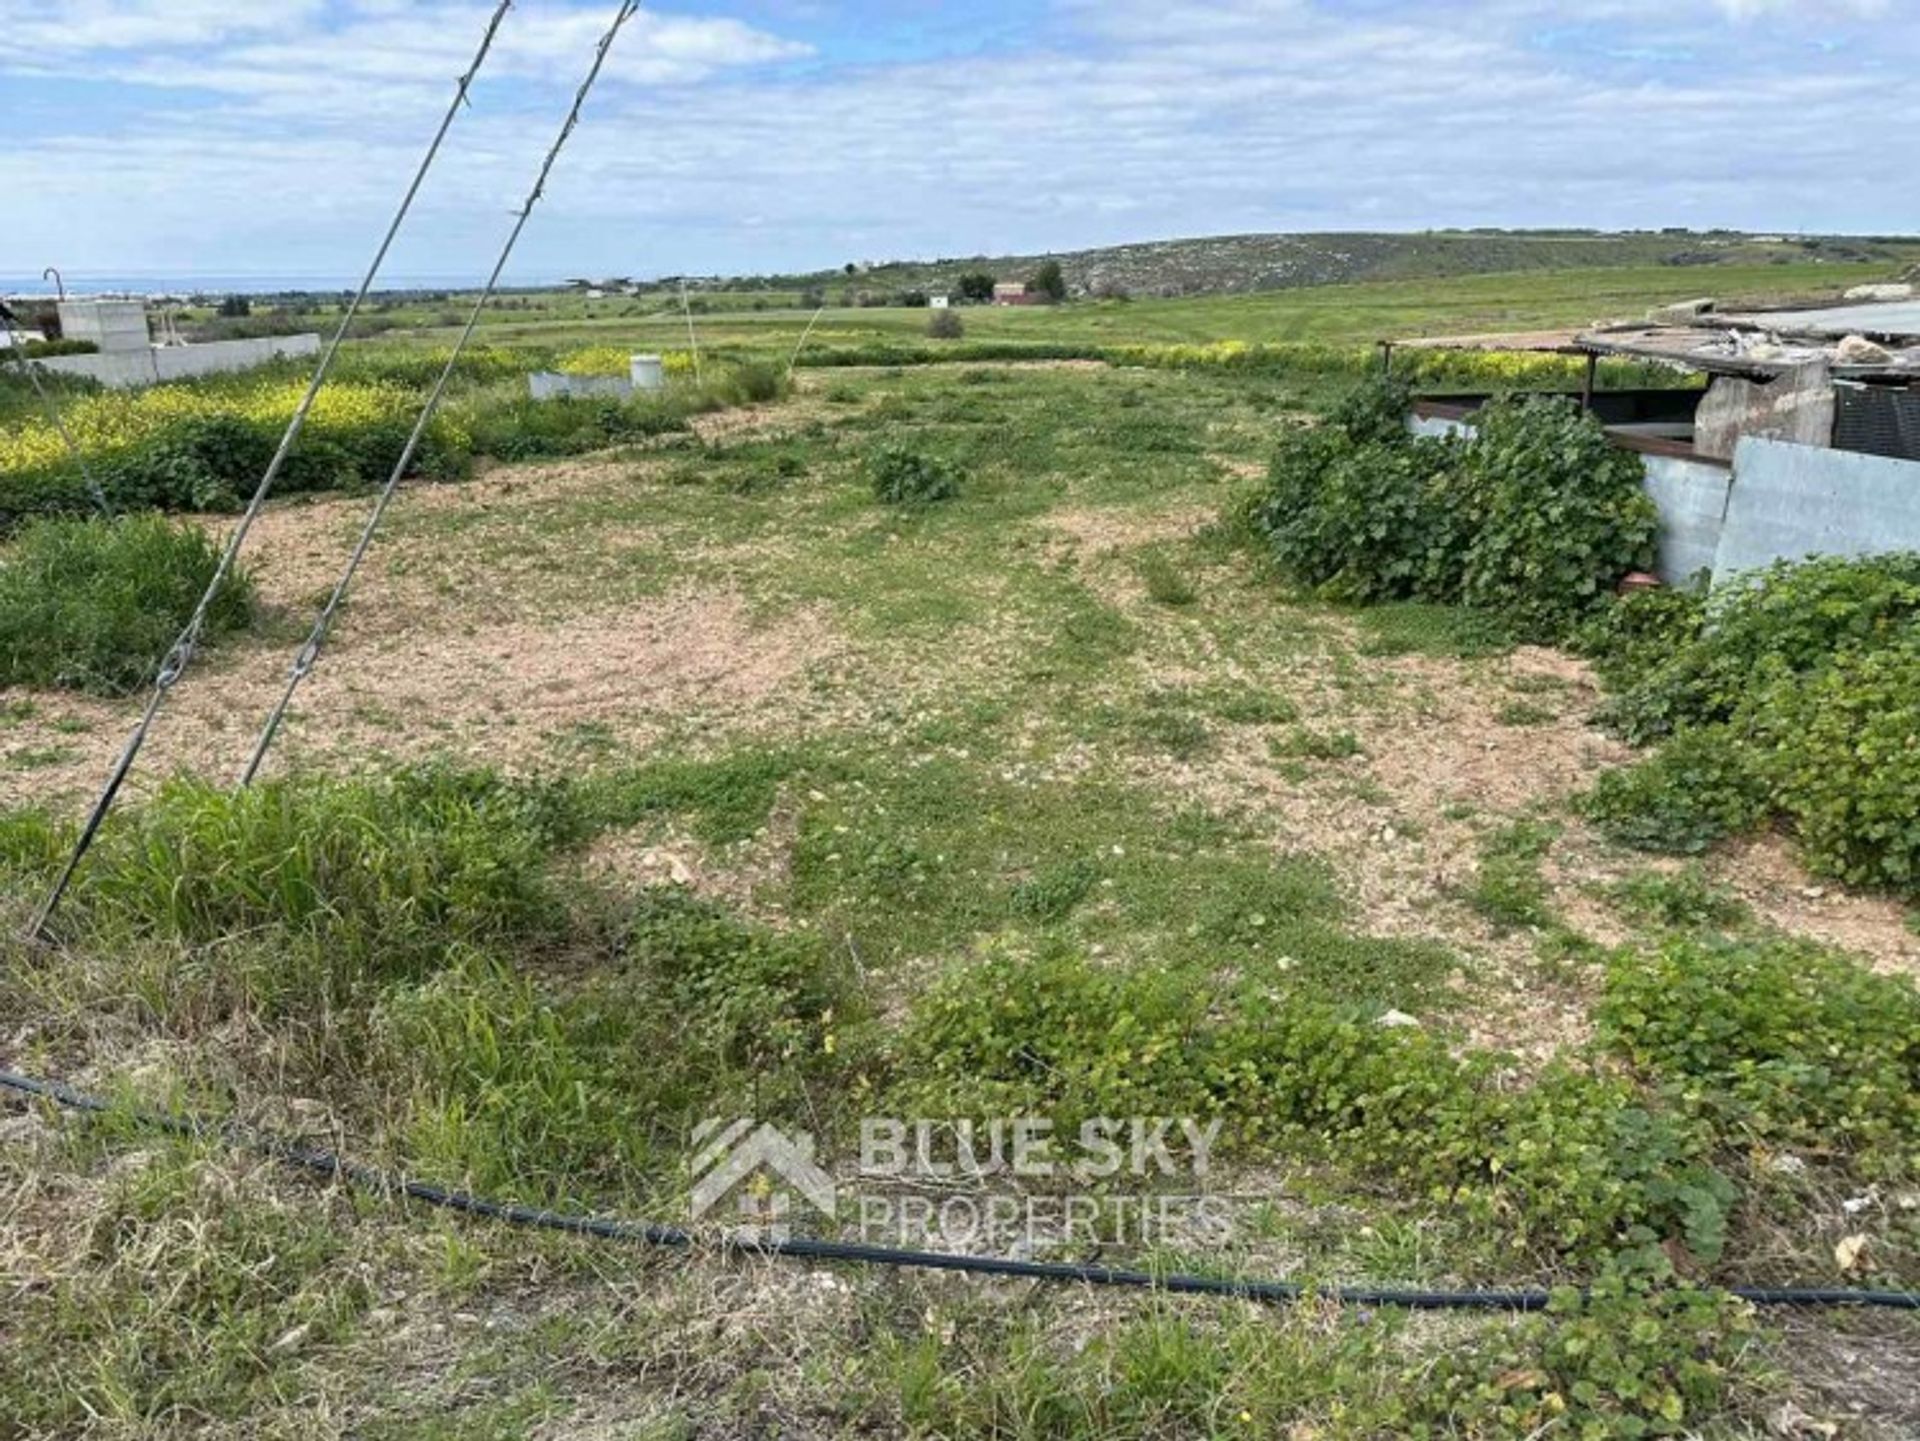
(667, 774)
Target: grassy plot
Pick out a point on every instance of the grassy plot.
(1074, 809)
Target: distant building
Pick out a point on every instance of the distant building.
(939, 302)
(1013, 292)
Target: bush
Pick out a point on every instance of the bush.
(945, 325)
(1796, 693)
(1840, 754)
(751, 382)
(517, 427)
(1700, 788)
(1680, 662)
(1571, 1162)
(1554, 512)
(1357, 518)
(1779, 1043)
(1534, 519)
(94, 604)
(39, 349)
(901, 476)
(206, 443)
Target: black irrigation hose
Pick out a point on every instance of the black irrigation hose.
(326, 1163)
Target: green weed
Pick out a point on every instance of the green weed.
(93, 604)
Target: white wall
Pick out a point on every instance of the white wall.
(125, 369)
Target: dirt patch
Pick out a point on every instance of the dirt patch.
(1765, 874)
(1105, 531)
(742, 877)
(496, 694)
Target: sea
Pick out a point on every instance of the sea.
(83, 283)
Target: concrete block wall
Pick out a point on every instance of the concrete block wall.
(127, 369)
(552, 385)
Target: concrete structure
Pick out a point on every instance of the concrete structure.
(1796, 405)
(648, 372)
(940, 302)
(552, 385)
(116, 326)
(128, 358)
(1013, 292)
(127, 369)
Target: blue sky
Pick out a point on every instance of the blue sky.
(272, 136)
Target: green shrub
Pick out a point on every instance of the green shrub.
(517, 427)
(1796, 693)
(39, 349)
(1840, 752)
(1571, 1162)
(1634, 637)
(749, 382)
(1624, 1360)
(1777, 1042)
(1701, 787)
(1681, 662)
(1534, 520)
(95, 604)
(902, 476)
(1357, 518)
(1683, 900)
(1508, 888)
(1166, 583)
(1554, 514)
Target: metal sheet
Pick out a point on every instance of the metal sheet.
(1791, 501)
(1894, 318)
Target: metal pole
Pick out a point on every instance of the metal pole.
(794, 359)
(180, 655)
(309, 653)
(692, 339)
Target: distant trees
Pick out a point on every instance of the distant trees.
(235, 306)
(976, 286)
(1050, 282)
(914, 299)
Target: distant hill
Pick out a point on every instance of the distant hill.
(1228, 264)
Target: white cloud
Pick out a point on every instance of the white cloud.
(1804, 9)
(1117, 119)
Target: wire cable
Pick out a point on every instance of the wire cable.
(180, 655)
(309, 653)
(368, 1178)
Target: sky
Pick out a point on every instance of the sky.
(274, 137)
